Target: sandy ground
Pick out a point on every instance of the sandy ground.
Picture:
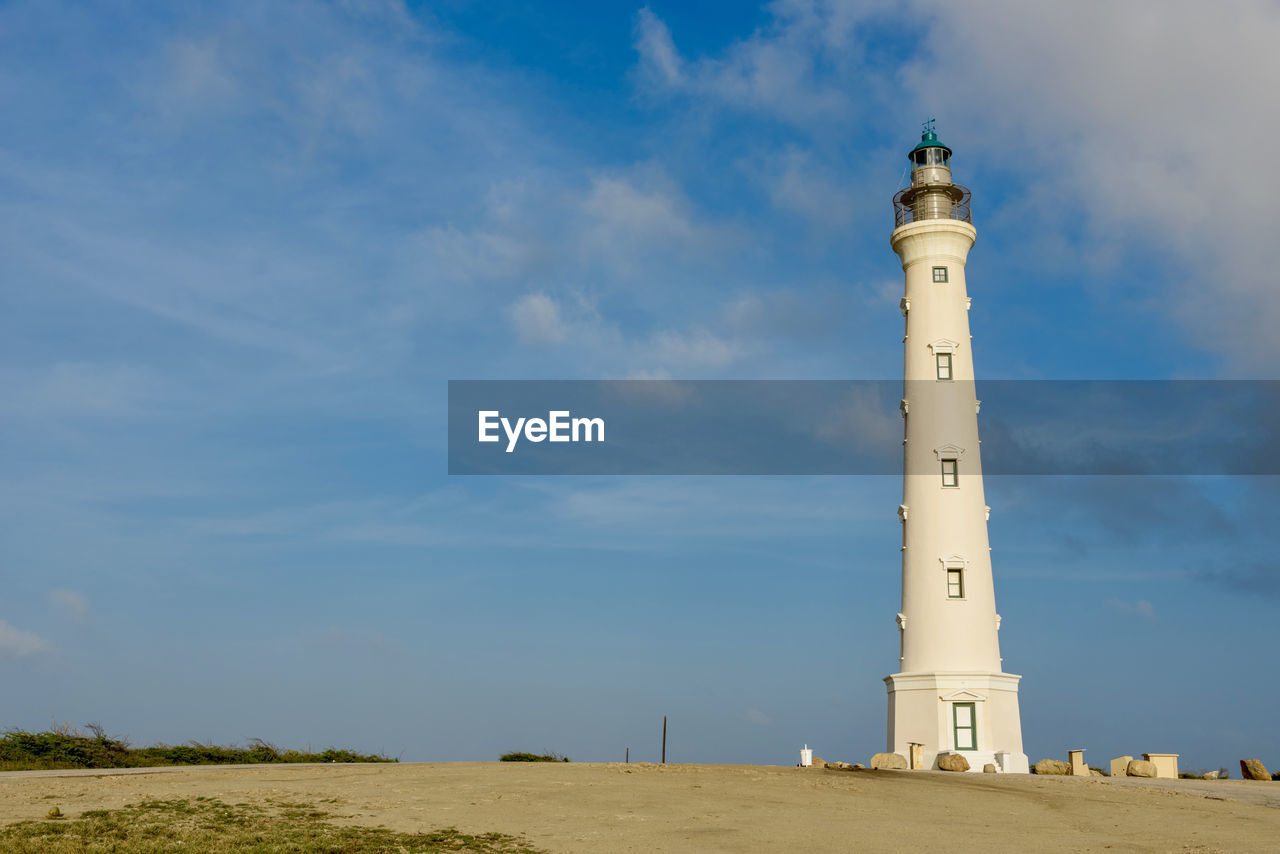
(715, 808)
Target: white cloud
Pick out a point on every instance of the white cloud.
(76, 605)
(776, 70)
(657, 51)
(572, 250)
(1149, 118)
(568, 232)
(796, 183)
(699, 508)
(1135, 131)
(478, 254)
(537, 319)
(86, 389)
(15, 643)
(628, 217)
(198, 74)
(789, 314)
(864, 415)
(691, 351)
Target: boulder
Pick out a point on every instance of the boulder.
(1096, 772)
(1141, 768)
(988, 768)
(1053, 766)
(837, 766)
(888, 762)
(1210, 775)
(858, 766)
(818, 762)
(1253, 769)
(953, 762)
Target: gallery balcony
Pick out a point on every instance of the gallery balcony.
(931, 201)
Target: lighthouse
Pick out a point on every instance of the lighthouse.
(950, 694)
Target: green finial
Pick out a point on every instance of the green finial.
(929, 137)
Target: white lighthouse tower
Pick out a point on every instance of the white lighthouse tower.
(950, 694)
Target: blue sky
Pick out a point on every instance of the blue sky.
(245, 246)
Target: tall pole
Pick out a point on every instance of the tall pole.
(664, 739)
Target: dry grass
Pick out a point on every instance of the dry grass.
(207, 824)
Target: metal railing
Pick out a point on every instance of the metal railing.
(932, 201)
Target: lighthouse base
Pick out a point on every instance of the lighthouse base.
(971, 713)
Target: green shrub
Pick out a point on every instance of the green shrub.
(69, 748)
(533, 757)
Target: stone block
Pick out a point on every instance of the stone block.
(1253, 769)
(888, 762)
(1141, 768)
(1053, 766)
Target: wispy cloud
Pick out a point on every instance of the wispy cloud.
(16, 643)
(798, 183)
(72, 603)
(1148, 150)
(1131, 155)
(779, 70)
(537, 319)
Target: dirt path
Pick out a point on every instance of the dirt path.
(708, 808)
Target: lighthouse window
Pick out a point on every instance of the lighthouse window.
(966, 733)
(939, 274)
(955, 583)
(950, 473)
(944, 366)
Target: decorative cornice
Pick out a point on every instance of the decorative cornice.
(948, 451)
(964, 695)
